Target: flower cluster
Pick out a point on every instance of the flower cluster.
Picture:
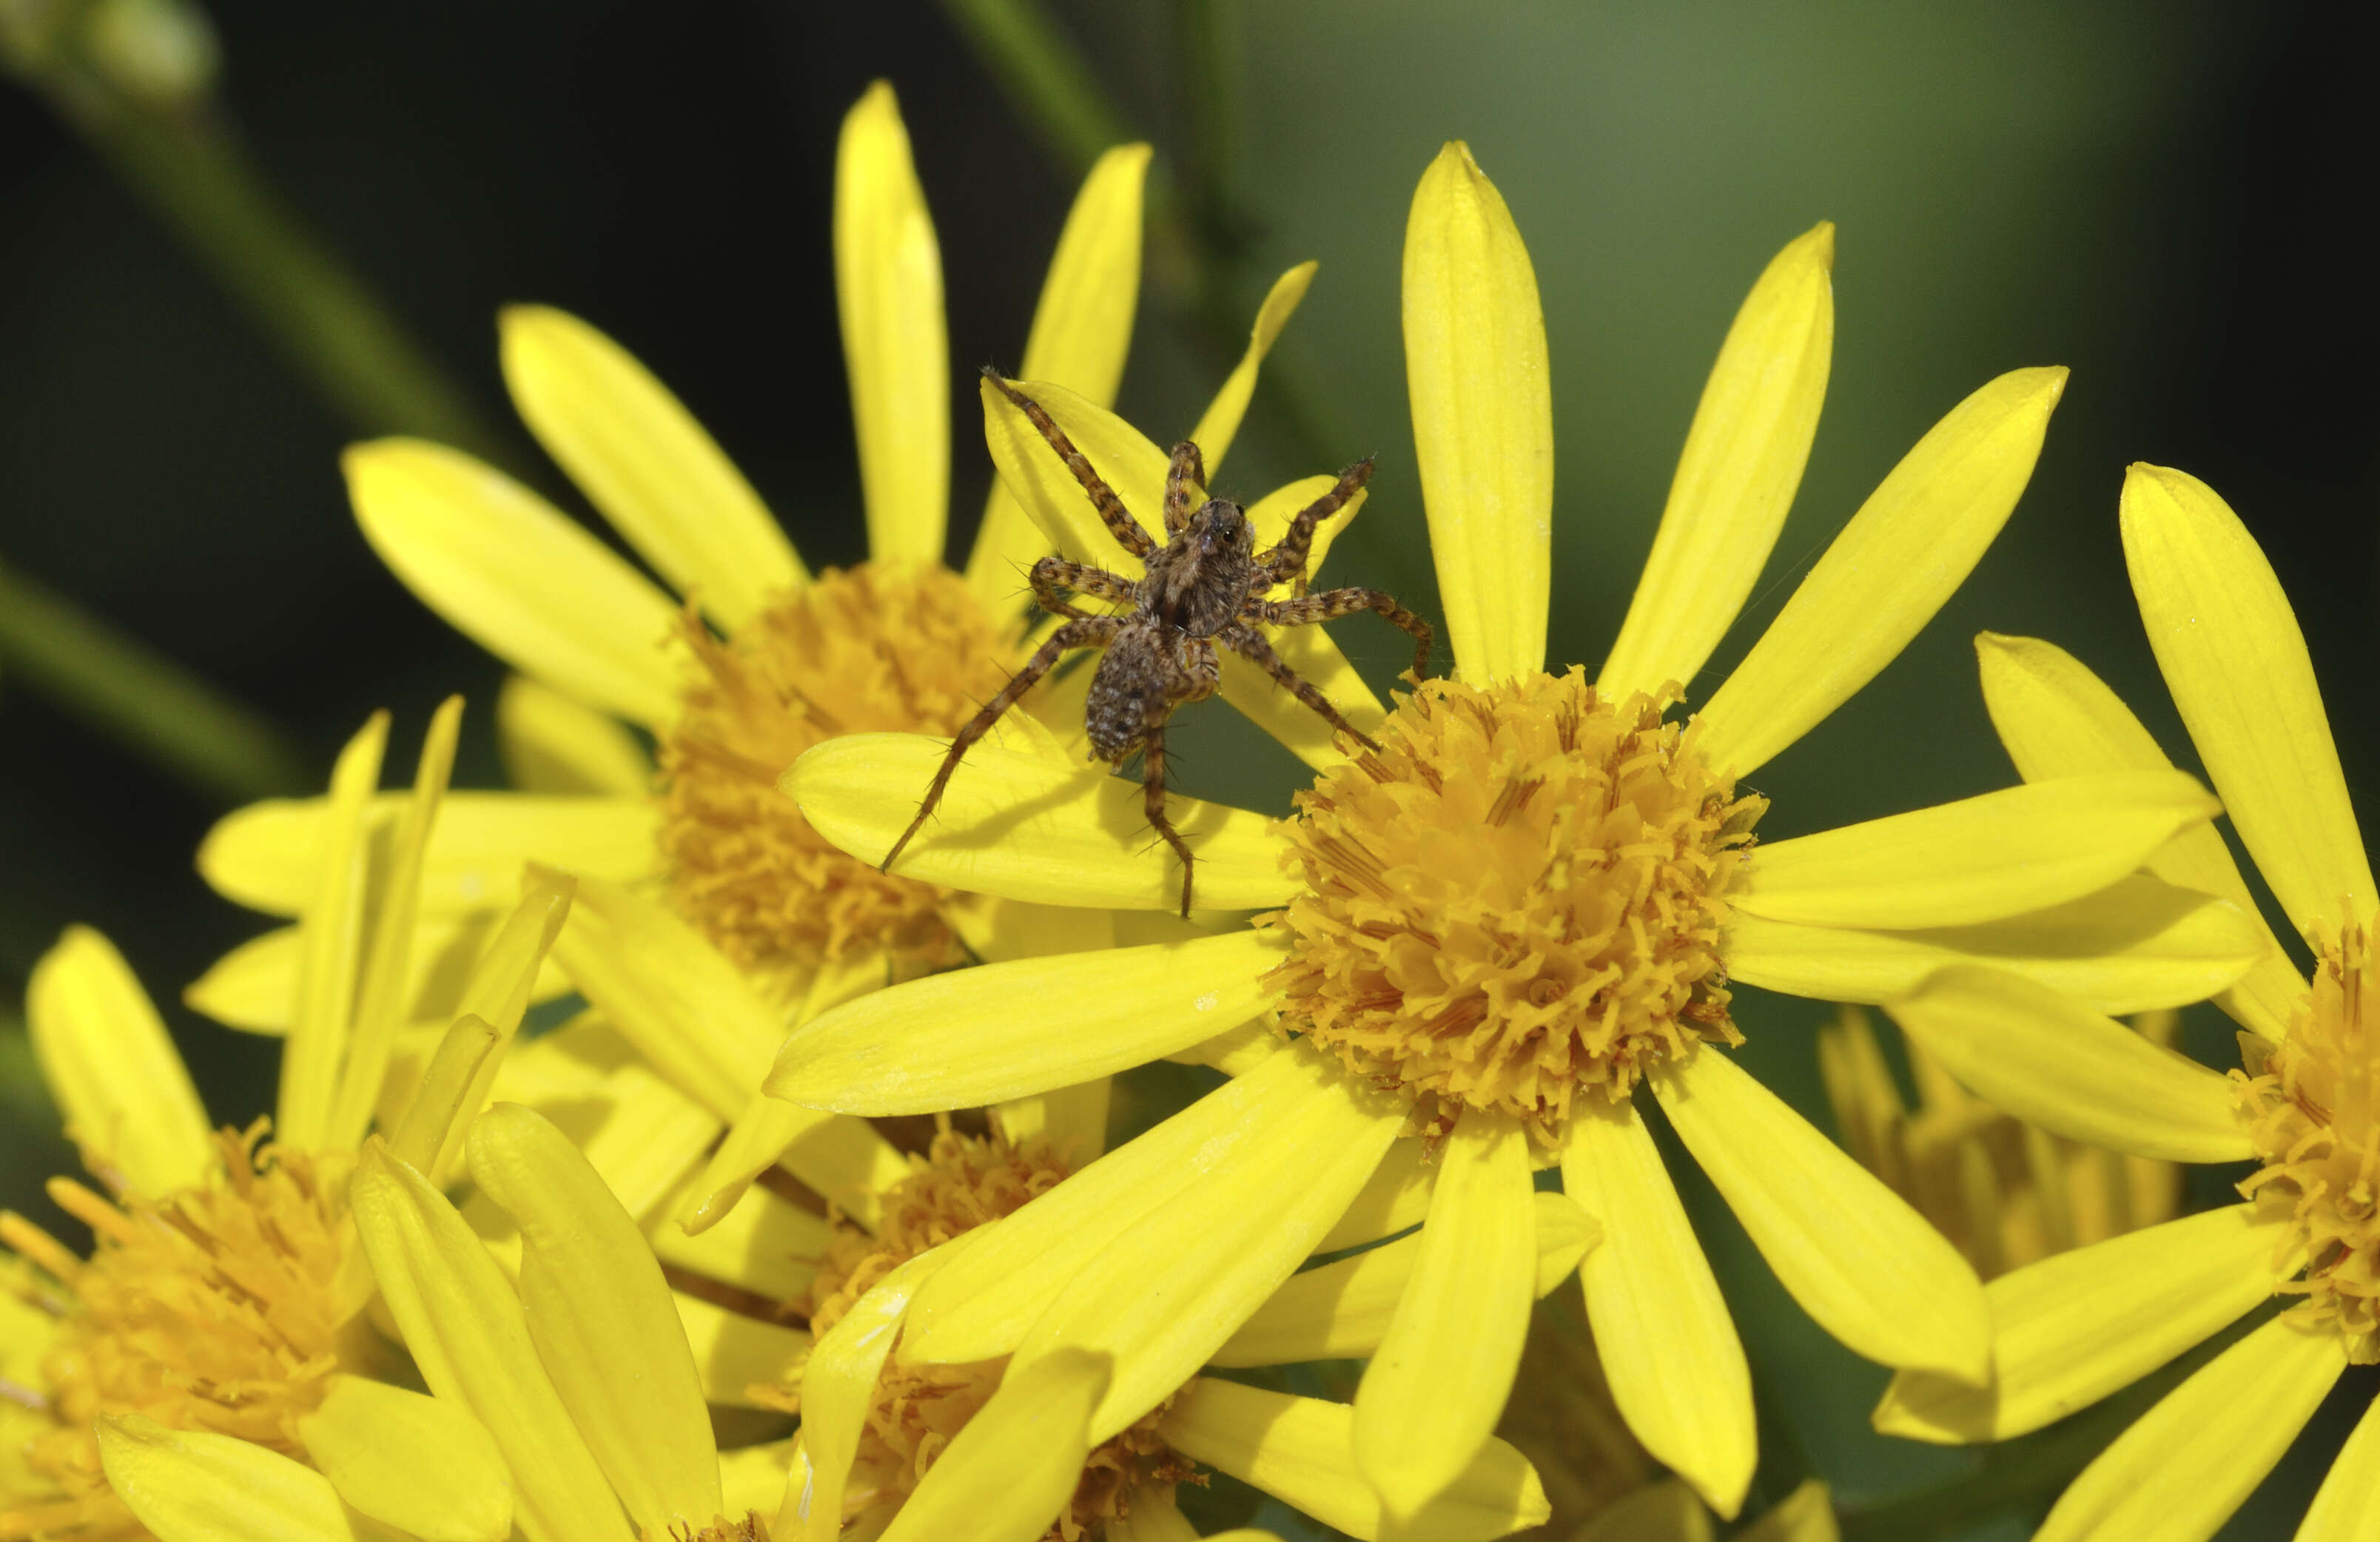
(650, 1161)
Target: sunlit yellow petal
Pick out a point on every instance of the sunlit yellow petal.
(1482, 415)
(2076, 1326)
(1869, 1269)
(1219, 424)
(957, 1039)
(1669, 1347)
(1082, 328)
(422, 1465)
(1395, 1196)
(2059, 719)
(498, 990)
(329, 945)
(1030, 827)
(556, 744)
(2185, 1465)
(733, 1352)
(1736, 479)
(1074, 1120)
(1341, 1310)
(1807, 1515)
(1978, 859)
(764, 1245)
(841, 1159)
(662, 984)
(1178, 1282)
(2036, 1052)
(1007, 1475)
(1434, 1390)
(1301, 1450)
(187, 1485)
(1048, 492)
(752, 1479)
(649, 1137)
(264, 856)
(511, 571)
(2237, 665)
(2138, 944)
(839, 1387)
(1149, 1515)
(601, 1318)
(1319, 661)
(2348, 1505)
(113, 1072)
(467, 1332)
(437, 1105)
(1908, 548)
(984, 1300)
(888, 288)
(1269, 515)
(645, 462)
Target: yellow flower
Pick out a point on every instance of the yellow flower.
(220, 1305)
(2006, 1193)
(2073, 1329)
(1530, 899)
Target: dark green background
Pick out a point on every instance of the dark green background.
(2155, 195)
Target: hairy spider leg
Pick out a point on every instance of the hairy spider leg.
(1152, 801)
(1119, 519)
(1184, 476)
(1249, 644)
(1286, 562)
(1051, 576)
(1333, 603)
(1090, 631)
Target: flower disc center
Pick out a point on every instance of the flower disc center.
(1518, 901)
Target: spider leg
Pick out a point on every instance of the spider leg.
(1187, 474)
(1287, 561)
(1249, 644)
(1152, 791)
(1091, 631)
(1119, 522)
(1052, 575)
(1331, 604)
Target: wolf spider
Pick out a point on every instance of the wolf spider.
(1204, 586)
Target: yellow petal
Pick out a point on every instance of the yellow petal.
(1048, 492)
(602, 1321)
(467, 1332)
(645, 463)
(1074, 1120)
(2348, 1505)
(111, 1068)
(2076, 1326)
(1149, 1515)
(498, 992)
(185, 1486)
(1301, 1452)
(1669, 1347)
(888, 288)
(1433, 1392)
(1736, 480)
(1807, 1515)
(1340, 1311)
(2136, 945)
(254, 987)
(2186, 1465)
(420, 1464)
(266, 856)
(1182, 1279)
(752, 1479)
(2059, 719)
(554, 743)
(839, 1390)
(677, 998)
(1009, 1474)
(2232, 654)
(651, 1138)
(1663, 1512)
(508, 570)
(764, 1245)
(841, 1159)
(1219, 424)
(1482, 416)
(733, 1352)
(1904, 554)
(1395, 1196)
(438, 1101)
(1869, 1269)
(2038, 1054)
(329, 945)
(958, 1039)
(1082, 328)
(1030, 827)
(1978, 859)
(1269, 518)
(1302, 731)
(984, 1300)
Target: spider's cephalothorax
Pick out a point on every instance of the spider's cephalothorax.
(1204, 587)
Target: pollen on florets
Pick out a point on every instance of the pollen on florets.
(1516, 901)
(2312, 1108)
(961, 1183)
(212, 1310)
(859, 650)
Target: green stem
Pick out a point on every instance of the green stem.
(218, 746)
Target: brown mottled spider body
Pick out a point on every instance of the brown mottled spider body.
(1202, 590)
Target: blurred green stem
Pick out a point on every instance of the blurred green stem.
(217, 746)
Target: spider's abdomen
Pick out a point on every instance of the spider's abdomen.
(1128, 692)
